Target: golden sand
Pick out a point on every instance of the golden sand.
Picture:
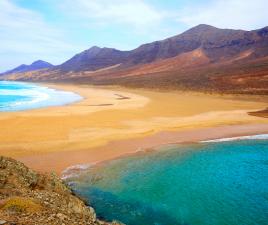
(55, 137)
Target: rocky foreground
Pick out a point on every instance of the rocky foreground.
(28, 197)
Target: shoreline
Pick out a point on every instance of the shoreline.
(42, 97)
(76, 170)
(110, 122)
(125, 148)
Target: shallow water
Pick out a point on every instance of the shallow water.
(224, 183)
(15, 96)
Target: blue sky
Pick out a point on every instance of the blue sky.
(55, 30)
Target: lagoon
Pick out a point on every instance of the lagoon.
(217, 183)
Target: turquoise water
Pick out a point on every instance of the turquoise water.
(224, 183)
(15, 96)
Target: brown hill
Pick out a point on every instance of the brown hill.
(216, 44)
(203, 58)
(93, 59)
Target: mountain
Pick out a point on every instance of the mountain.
(93, 59)
(217, 44)
(37, 65)
(202, 58)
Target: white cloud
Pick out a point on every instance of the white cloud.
(27, 37)
(237, 14)
(136, 13)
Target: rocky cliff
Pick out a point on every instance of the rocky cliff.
(28, 197)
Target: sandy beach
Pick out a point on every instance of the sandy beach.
(112, 121)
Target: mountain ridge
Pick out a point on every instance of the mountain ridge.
(199, 59)
(36, 65)
(93, 58)
(202, 36)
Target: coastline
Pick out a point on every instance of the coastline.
(123, 148)
(37, 96)
(111, 121)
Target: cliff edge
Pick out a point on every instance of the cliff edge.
(28, 197)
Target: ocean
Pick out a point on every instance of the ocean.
(16, 96)
(213, 183)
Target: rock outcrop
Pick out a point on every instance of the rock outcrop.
(28, 197)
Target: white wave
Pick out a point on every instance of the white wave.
(75, 171)
(249, 137)
(34, 94)
(37, 97)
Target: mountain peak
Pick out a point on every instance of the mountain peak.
(94, 58)
(36, 65)
(204, 26)
(95, 48)
(201, 28)
(40, 63)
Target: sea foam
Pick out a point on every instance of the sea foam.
(249, 137)
(16, 96)
(75, 171)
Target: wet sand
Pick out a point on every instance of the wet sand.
(113, 121)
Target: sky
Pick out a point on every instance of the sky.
(55, 30)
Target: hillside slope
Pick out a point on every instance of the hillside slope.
(37, 65)
(202, 58)
(28, 198)
(217, 44)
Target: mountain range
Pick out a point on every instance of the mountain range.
(37, 65)
(202, 58)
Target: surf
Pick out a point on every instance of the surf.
(18, 96)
